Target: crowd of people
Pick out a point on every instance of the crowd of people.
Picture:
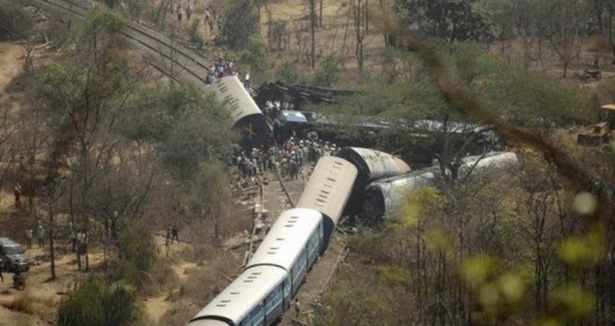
(223, 67)
(287, 160)
(273, 106)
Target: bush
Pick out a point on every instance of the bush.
(241, 21)
(193, 33)
(15, 23)
(97, 303)
(288, 72)
(327, 70)
(137, 254)
(254, 53)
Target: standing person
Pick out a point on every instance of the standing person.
(1, 268)
(174, 234)
(188, 12)
(297, 306)
(246, 81)
(180, 12)
(207, 16)
(40, 236)
(73, 239)
(17, 192)
(169, 234)
(30, 236)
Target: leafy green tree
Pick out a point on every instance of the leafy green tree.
(452, 20)
(255, 53)
(241, 21)
(15, 22)
(327, 70)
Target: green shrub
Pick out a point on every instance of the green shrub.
(97, 303)
(15, 23)
(254, 53)
(195, 36)
(137, 255)
(327, 70)
(288, 72)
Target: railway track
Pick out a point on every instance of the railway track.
(163, 51)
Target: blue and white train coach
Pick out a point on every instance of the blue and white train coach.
(273, 276)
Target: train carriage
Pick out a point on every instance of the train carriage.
(293, 243)
(248, 119)
(373, 164)
(385, 196)
(328, 190)
(488, 161)
(256, 297)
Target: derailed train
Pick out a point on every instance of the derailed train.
(385, 196)
(248, 119)
(274, 274)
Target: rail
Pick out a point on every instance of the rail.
(153, 41)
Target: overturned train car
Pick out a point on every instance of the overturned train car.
(248, 119)
(385, 196)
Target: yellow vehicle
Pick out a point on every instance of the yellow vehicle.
(601, 132)
(607, 114)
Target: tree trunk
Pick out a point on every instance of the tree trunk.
(313, 32)
(320, 16)
(51, 235)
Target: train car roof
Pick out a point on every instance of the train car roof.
(291, 116)
(608, 107)
(230, 89)
(491, 159)
(241, 296)
(426, 172)
(375, 163)
(329, 186)
(208, 322)
(287, 238)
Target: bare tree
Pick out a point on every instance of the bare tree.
(563, 29)
(359, 10)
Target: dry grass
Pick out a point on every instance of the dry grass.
(22, 303)
(161, 279)
(205, 282)
(26, 302)
(178, 313)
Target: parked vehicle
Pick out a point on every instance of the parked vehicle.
(13, 256)
(589, 74)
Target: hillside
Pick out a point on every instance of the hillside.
(532, 244)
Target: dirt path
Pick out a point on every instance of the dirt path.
(10, 63)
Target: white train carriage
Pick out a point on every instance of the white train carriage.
(328, 190)
(373, 164)
(489, 161)
(293, 243)
(386, 195)
(247, 116)
(256, 297)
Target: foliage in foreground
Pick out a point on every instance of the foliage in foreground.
(96, 302)
(15, 23)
